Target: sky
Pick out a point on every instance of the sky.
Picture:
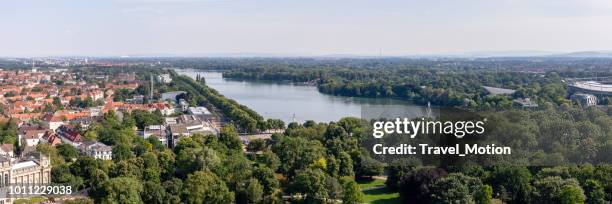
(307, 27)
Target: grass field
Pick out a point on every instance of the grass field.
(377, 195)
(32, 200)
(371, 183)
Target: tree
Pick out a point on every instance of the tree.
(153, 193)
(276, 124)
(122, 190)
(594, 192)
(47, 149)
(91, 136)
(173, 188)
(61, 174)
(335, 190)
(68, 152)
(127, 168)
(297, 153)
(122, 152)
(311, 184)
(196, 159)
(368, 167)
(516, 180)
(352, 192)
(415, 186)
(95, 183)
(455, 188)
(269, 159)
(256, 145)
(485, 195)
(230, 138)
(206, 187)
(266, 178)
(145, 118)
(397, 169)
(150, 160)
(85, 167)
(166, 163)
(151, 174)
(18, 147)
(602, 175)
(252, 192)
(572, 194)
(157, 145)
(555, 189)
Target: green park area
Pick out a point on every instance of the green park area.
(375, 192)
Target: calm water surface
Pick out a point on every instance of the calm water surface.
(291, 102)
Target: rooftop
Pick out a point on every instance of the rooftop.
(26, 164)
(199, 110)
(592, 86)
(498, 91)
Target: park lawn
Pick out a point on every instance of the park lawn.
(37, 199)
(370, 183)
(378, 195)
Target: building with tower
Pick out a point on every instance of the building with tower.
(32, 169)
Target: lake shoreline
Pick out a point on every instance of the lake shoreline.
(290, 102)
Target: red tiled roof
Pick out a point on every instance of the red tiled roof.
(69, 133)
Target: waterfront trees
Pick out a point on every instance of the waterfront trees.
(438, 86)
(245, 118)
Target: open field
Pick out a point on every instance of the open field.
(375, 192)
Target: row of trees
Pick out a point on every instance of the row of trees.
(245, 118)
(88, 102)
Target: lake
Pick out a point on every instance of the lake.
(290, 102)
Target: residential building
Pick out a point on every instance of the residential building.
(198, 111)
(157, 131)
(69, 135)
(52, 122)
(176, 132)
(31, 137)
(7, 150)
(187, 128)
(164, 78)
(171, 95)
(183, 104)
(525, 103)
(584, 99)
(170, 120)
(96, 150)
(84, 122)
(51, 139)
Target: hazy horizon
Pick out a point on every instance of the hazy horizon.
(302, 28)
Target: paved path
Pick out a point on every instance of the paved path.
(372, 188)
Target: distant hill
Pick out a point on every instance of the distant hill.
(587, 54)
